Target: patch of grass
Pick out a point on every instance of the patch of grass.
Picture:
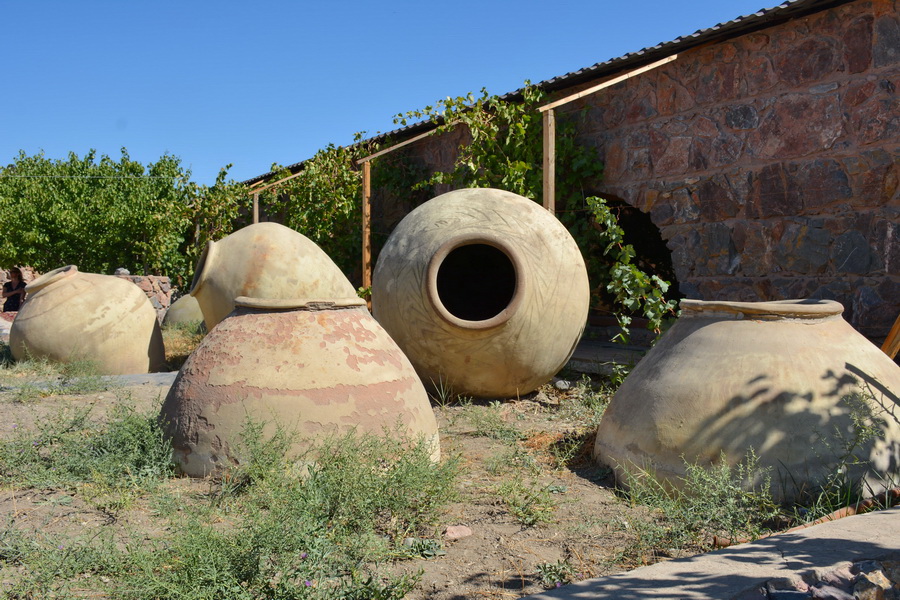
(180, 340)
(556, 574)
(273, 526)
(127, 451)
(586, 402)
(512, 460)
(37, 378)
(529, 503)
(488, 421)
(846, 450)
(712, 501)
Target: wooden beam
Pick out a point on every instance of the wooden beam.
(549, 119)
(257, 190)
(411, 140)
(606, 84)
(892, 344)
(256, 208)
(367, 228)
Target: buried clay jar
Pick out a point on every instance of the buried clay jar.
(484, 290)
(71, 316)
(313, 368)
(785, 379)
(264, 260)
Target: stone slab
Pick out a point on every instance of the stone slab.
(736, 571)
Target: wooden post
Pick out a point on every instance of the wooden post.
(367, 229)
(892, 344)
(550, 161)
(256, 208)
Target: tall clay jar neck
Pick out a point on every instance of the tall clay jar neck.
(475, 282)
(50, 278)
(777, 310)
(204, 266)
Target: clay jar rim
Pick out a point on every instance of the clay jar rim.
(297, 303)
(51, 277)
(202, 268)
(800, 308)
(437, 259)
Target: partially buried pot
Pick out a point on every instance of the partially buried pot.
(264, 260)
(72, 316)
(313, 368)
(484, 290)
(790, 380)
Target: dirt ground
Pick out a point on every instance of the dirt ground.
(587, 527)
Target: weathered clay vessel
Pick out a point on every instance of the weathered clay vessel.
(184, 310)
(484, 290)
(783, 378)
(264, 260)
(71, 316)
(315, 368)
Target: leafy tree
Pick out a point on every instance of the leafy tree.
(99, 214)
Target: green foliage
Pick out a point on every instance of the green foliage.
(718, 500)
(846, 450)
(71, 448)
(323, 202)
(276, 527)
(632, 288)
(488, 421)
(100, 214)
(505, 151)
(529, 503)
(556, 574)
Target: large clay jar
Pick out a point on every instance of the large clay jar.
(72, 316)
(183, 311)
(785, 379)
(484, 290)
(313, 368)
(264, 260)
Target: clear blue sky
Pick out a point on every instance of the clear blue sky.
(252, 83)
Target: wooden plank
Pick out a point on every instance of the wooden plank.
(256, 208)
(891, 345)
(411, 140)
(256, 190)
(367, 229)
(549, 119)
(606, 84)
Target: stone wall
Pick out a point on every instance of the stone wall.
(768, 161)
(157, 288)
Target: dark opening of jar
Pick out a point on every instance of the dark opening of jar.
(476, 282)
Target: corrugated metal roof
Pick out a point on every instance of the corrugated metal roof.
(761, 19)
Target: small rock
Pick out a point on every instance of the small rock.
(868, 566)
(562, 385)
(829, 592)
(122, 271)
(892, 570)
(871, 586)
(839, 577)
(457, 532)
(787, 595)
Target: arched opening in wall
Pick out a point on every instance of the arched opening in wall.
(651, 255)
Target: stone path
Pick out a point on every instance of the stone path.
(851, 558)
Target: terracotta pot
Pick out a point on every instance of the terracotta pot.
(777, 377)
(484, 290)
(265, 260)
(317, 368)
(184, 310)
(71, 316)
